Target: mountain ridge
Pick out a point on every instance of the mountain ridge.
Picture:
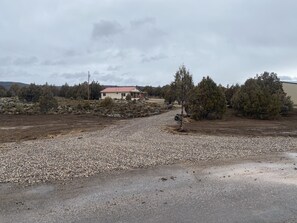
(7, 84)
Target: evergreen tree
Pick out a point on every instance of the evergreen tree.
(262, 97)
(207, 100)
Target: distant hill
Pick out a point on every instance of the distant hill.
(7, 84)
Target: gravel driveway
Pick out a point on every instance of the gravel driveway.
(128, 144)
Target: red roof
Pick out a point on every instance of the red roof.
(119, 89)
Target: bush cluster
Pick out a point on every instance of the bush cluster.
(31, 93)
(107, 102)
(128, 97)
(262, 97)
(207, 101)
(47, 101)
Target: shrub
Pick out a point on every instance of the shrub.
(207, 101)
(30, 93)
(169, 93)
(287, 105)
(3, 92)
(262, 97)
(230, 92)
(47, 102)
(128, 97)
(14, 90)
(79, 107)
(107, 102)
(87, 106)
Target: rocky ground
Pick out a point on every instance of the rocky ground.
(134, 143)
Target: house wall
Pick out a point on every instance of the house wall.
(135, 95)
(291, 90)
(113, 95)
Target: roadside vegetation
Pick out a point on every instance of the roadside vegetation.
(260, 97)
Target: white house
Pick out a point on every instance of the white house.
(121, 92)
(291, 89)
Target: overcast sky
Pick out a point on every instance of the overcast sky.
(143, 42)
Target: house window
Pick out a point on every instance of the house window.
(123, 94)
(104, 94)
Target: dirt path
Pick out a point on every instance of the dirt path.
(30, 127)
(128, 144)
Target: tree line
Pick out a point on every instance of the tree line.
(46, 94)
(32, 92)
(79, 91)
(260, 97)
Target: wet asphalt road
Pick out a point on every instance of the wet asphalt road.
(261, 190)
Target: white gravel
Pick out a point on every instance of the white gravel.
(128, 144)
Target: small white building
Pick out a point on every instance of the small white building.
(291, 89)
(121, 92)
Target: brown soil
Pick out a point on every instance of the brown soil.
(234, 125)
(29, 127)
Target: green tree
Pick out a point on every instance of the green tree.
(180, 88)
(30, 93)
(54, 89)
(95, 89)
(152, 91)
(262, 97)
(81, 91)
(183, 84)
(3, 92)
(14, 90)
(47, 102)
(169, 93)
(207, 100)
(64, 90)
(157, 91)
(230, 92)
(149, 90)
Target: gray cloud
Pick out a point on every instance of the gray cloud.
(53, 62)
(110, 78)
(147, 59)
(229, 40)
(105, 29)
(9, 74)
(25, 61)
(78, 75)
(142, 22)
(122, 79)
(5, 61)
(71, 53)
(113, 68)
(96, 72)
